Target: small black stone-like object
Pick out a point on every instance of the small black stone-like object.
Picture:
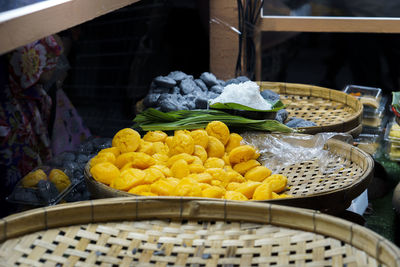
(221, 82)
(187, 86)
(281, 115)
(232, 81)
(217, 89)
(201, 84)
(201, 103)
(68, 156)
(299, 122)
(242, 79)
(168, 105)
(82, 158)
(23, 194)
(47, 191)
(270, 96)
(177, 75)
(209, 79)
(151, 100)
(164, 81)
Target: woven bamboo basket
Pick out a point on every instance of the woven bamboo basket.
(331, 110)
(308, 185)
(187, 232)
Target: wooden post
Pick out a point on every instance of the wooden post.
(223, 39)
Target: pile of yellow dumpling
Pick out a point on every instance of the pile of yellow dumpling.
(210, 162)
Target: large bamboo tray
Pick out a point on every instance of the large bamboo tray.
(187, 232)
(309, 187)
(331, 110)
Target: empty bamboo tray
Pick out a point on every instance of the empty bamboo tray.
(331, 110)
(310, 187)
(187, 232)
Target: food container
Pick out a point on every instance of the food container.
(43, 186)
(368, 96)
(368, 143)
(370, 112)
(187, 232)
(347, 175)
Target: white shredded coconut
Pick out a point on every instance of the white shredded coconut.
(247, 94)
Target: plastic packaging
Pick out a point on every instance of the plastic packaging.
(368, 142)
(368, 96)
(281, 150)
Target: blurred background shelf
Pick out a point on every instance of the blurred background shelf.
(22, 21)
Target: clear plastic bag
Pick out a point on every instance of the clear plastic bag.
(281, 150)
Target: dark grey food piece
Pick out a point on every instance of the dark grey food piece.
(201, 103)
(151, 100)
(82, 158)
(201, 84)
(217, 89)
(47, 191)
(159, 90)
(242, 79)
(212, 95)
(24, 194)
(190, 105)
(164, 81)
(281, 115)
(178, 75)
(187, 86)
(232, 81)
(298, 122)
(270, 96)
(221, 82)
(67, 156)
(209, 79)
(169, 105)
(175, 90)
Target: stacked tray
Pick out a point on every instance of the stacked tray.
(176, 231)
(309, 185)
(331, 110)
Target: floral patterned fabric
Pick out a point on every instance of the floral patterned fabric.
(24, 111)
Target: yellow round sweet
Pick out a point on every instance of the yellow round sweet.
(215, 147)
(32, 178)
(187, 187)
(258, 173)
(155, 136)
(214, 162)
(105, 172)
(263, 192)
(161, 148)
(219, 130)
(163, 187)
(128, 179)
(152, 175)
(213, 192)
(137, 190)
(59, 179)
(200, 152)
(180, 169)
(277, 182)
(233, 195)
(112, 149)
(160, 159)
(126, 140)
(245, 166)
(248, 188)
(181, 143)
(234, 141)
(241, 154)
(138, 160)
(146, 147)
(200, 137)
(103, 157)
(196, 168)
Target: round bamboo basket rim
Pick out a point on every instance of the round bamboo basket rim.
(150, 208)
(296, 89)
(333, 201)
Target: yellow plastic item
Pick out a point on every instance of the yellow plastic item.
(59, 179)
(126, 140)
(32, 178)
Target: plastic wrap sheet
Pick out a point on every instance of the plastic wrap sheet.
(281, 150)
